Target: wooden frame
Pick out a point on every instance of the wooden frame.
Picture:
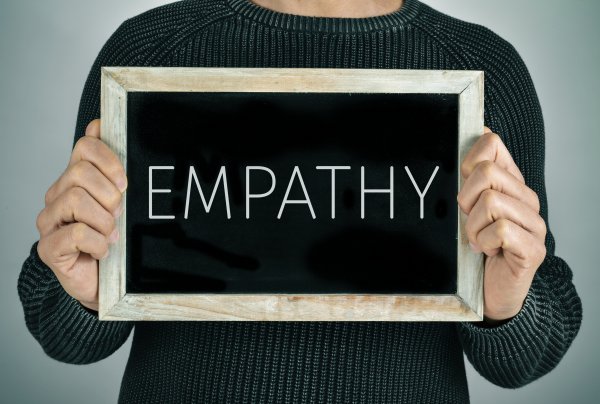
(116, 304)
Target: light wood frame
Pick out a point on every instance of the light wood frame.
(116, 304)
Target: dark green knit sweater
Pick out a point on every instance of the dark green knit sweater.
(419, 362)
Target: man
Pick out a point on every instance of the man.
(532, 310)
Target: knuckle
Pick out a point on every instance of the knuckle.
(107, 222)
(502, 228)
(118, 169)
(78, 232)
(81, 169)
(49, 195)
(76, 196)
(92, 125)
(489, 198)
(45, 251)
(42, 248)
(86, 145)
(491, 138)
(486, 168)
(81, 145)
(536, 201)
(104, 246)
(101, 247)
(461, 200)
(543, 252)
(114, 199)
(39, 220)
(543, 229)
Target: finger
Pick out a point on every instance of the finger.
(508, 236)
(81, 280)
(94, 150)
(85, 175)
(68, 241)
(489, 146)
(76, 205)
(488, 175)
(529, 264)
(493, 205)
(93, 129)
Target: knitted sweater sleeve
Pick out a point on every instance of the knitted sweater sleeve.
(65, 329)
(533, 342)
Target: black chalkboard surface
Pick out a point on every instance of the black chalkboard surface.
(291, 194)
(295, 253)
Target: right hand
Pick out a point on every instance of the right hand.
(78, 223)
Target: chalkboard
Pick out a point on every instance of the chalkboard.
(252, 197)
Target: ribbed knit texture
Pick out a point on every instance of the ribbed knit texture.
(418, 362)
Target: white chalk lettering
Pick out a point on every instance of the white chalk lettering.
(421, 194)
(333, 168)
(249, 195)
(364, 191)
(222, 176)
(252, 175)
(157, 191)
(296, 173)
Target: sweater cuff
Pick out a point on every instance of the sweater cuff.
(526, 314)
(66, 329)
(524, 334)
(51, 296)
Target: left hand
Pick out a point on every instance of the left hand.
(504, 223)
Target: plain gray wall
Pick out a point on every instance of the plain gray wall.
(46, 50)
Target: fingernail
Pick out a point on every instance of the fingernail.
(114, 236)
(474, 247)
(105, 255)
(118, 211)
(122, 184)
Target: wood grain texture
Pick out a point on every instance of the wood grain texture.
(250, 79)
(116, 304)
(470, 264)
(283, 307)
(113, 110)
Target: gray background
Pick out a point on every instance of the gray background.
(46, 50)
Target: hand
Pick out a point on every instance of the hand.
(78, 223)
(504, 223)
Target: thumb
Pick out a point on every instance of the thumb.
(93, 129)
